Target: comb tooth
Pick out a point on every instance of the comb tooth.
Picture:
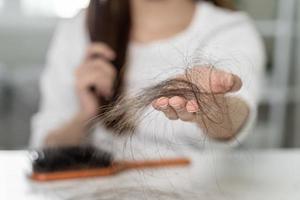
(69, 158)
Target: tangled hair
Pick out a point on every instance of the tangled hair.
(125, 113)
(135, 193)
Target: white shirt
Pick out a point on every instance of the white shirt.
(226, 39)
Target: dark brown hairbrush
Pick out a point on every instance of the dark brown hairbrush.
(83, 162)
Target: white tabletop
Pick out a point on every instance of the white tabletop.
(267, 175)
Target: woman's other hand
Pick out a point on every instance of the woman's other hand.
(211, 81)
(97, 72)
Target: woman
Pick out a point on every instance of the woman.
(151, 40)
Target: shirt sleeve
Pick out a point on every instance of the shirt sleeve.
(58, 101)
(237, 47)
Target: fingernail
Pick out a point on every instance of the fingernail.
(162, 102)
(228, 81)
(193, 110)
(192, 107)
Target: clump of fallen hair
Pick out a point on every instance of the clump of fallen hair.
(123, 115)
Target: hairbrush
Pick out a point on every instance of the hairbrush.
(86, 161)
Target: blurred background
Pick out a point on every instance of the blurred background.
(26, 27)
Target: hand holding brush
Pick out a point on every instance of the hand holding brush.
(94, 84)
(95, 79)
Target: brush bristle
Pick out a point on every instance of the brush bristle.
(69, 158)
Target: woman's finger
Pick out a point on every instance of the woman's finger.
(213, 80)
(162, 104)
(192, 106)
(237, 84)
(179, 105)
(223, 82)
(102, 84)
(100, 50)
(107, 68)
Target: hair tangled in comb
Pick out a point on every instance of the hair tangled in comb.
(124, 115)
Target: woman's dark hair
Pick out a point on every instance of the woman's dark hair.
(109, 21)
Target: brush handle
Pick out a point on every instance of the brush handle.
(74, 174)
(155, 163)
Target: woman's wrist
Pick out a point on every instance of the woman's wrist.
(85, 116)
(72, 133)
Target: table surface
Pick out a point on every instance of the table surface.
(266, 175)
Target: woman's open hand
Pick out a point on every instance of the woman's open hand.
(211, 81)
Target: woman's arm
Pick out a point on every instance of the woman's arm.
(97, 72)
(66, 102)
(71, 133)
